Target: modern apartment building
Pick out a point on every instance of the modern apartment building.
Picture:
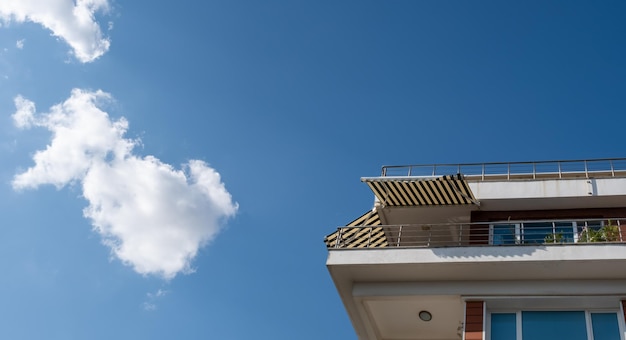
(526, 250)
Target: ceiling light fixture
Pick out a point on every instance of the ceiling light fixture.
(425, 315)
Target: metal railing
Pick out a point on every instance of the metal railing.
(505, 233)
(606, 167)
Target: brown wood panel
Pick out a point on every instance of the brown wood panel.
(474, 316)
(474, 319)
(474, 306)
(624, 309)
(474, 311)
(474, 335)
(474, 327)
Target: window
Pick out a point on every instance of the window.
(549, 325)
(539, 232)
(505, 234)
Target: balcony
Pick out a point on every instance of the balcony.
(386, 274)
(592, 168)
(503, 233)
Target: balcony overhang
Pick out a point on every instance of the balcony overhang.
(561, 262)
(383, 290)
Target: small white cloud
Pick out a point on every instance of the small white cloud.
(159, 293)
(24, 116)
(154, 217)
(70, 20)
(20, 43)
(150, 304)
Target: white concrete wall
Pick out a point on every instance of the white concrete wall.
(548, 188)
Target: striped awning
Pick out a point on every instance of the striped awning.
(364, 232)
(446, 190)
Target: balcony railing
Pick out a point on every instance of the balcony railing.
(608, 167)
(505, 233)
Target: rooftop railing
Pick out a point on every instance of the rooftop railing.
(607, 167)
(506, 233)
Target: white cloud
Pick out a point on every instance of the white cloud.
(149, 306)
(25, 114)
(150, 303)
(71, 20)
(20, 43)
(159, 293)
(154, 217)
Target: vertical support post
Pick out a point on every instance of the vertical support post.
(612, 168)
(339, 234)
(623, 310)
(483, 170)
(508, 171)
(460, 234)
(430, 236)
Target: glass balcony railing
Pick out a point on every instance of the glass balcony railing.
(506, 233)
(608, 167)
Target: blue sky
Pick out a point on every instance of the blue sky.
(169, 170)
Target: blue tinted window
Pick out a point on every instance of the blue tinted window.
(568, 325)
(503, 234)
(564, 232)
(605, 326)
(503, 326)
(535, 233)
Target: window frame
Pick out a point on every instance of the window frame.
(520, 234)
(588, 319)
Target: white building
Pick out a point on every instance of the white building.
(487, 251)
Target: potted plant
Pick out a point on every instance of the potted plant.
(608, 233)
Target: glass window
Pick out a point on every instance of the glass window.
(564, 232)
(504, 234)
(542, 325)
(550, 325)
(605, 326)
(503, 326)
(536, 232)
(533, 233)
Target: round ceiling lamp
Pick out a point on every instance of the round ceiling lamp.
(425, 315)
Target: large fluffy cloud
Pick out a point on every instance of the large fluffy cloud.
(153, 217)
(71, 20)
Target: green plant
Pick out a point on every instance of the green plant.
(611, 233)
(554, 238)
(608, 233)
(590, 235)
